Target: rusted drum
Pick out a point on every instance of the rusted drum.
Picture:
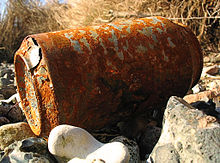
(93, 76)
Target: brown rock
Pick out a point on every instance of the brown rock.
(15, 114)
(4, 120)
(210, 70)
(12, 113)
(215, 58)
(14, 132)
(213, 70)
(4, 110)
(206, 59)
(201, 96)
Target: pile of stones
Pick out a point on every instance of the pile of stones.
(184, 133)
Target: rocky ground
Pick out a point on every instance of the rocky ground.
(188, 134)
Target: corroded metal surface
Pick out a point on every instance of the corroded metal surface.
(93, 76)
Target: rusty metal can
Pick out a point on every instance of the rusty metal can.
(93, 76)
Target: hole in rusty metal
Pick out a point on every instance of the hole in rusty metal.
(34, 41)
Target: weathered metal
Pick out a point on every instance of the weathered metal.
(93, 76)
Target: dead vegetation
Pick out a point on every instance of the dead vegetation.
(24, 17)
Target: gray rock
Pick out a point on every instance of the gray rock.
(15, 114)
(188, 135)
(7, 86)
(167, 153)
(28, 151)
(10, 111)
(132, 146)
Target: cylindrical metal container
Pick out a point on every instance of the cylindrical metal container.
(93, 76)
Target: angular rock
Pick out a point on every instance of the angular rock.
(188, 135)
(28, 151)
(201, 96)
(14, 132)
(67, 142)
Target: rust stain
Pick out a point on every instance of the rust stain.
(93, 76)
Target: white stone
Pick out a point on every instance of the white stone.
(114, 152)
(77, 145)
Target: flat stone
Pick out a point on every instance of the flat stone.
(10, 133)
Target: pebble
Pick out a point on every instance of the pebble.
(67, 142)
(10, 133)
(30, 150)
(7, 86)
(213, 70)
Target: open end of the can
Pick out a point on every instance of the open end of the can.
(27, 93)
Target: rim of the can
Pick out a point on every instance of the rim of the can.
(26, 90)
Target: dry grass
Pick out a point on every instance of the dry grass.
(32, 17)
(22, 19)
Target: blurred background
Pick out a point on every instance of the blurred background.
(19, 18)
